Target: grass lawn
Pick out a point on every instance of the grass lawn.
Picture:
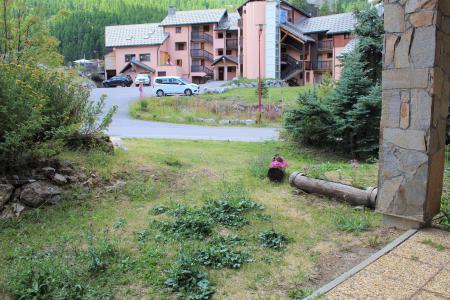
(218, 106)
(169, 184)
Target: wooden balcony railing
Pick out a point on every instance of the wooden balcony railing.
(319, 65)
(201, 36)
(203, 54)
(326, 45)
(200, 68)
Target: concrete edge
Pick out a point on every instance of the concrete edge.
(386, 249)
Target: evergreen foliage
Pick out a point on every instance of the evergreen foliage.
(348, 117)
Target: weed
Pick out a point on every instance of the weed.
(100, 252)
(188, 280)
(272, 239)
(120, 223)
(373, 241)
(219, 255)
(264, 217)
(233, 204)
(193, 225)
(140, 190)
(437, 246)
(159, 210)
(172, 161)
(352, 221)
(299, 293)
(142, 236)
(143, 105)
(259, 165)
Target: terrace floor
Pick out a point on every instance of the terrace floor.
(418, 268)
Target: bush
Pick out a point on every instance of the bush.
(274, 240)
(193, 224)
(39, 110)
(220, 255)
(312, 122)
(188, 280)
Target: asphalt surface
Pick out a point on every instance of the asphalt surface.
(124, 126)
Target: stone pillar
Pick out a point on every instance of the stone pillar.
(416, 91)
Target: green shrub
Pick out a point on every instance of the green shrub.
(188, 280)
(232, 206)
(39, 110)
(299, 293)
(159, 210)
(272, 239)
(312, 122)
(143, 105)
(193, 224)
(352, 221)
(219, 255)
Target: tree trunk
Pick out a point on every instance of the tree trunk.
(340, 191)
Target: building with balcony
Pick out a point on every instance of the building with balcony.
(201, 45)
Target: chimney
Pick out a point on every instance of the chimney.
(172, 10)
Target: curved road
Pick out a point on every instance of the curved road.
(125, 126)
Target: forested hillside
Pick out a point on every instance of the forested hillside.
(79, 24)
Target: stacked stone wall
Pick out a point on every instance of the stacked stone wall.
(416, 91)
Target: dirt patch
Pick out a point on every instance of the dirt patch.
(333, 263)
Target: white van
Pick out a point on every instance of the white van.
(173, 85)
(144, 78)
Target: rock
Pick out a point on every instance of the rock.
(40, 192)
(250, 122)
(72, 179)
(60, 179)
(394, 18)
(118, 143)
(224, 122)
(6, 191)
(48, 172)
(118, 185)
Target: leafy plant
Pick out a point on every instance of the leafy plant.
(120, 223)
(101, 252)
(274, 240)
(220, 255)
(299, 293)
(195, 225)
(230, 212)
(188, 280)
(160, 209)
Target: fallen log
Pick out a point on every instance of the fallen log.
(340, 191)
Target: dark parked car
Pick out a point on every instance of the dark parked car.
(120, 80)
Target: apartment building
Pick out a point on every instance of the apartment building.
(216, 44)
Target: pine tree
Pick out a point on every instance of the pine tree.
(370, 30)
(312, 122)
(353, 84)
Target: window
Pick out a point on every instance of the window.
(130, 57)
(206, 28)
(179, 62)
(180, 46)
(144, 57)
(220, 35)
(229, 35)
(229, 52)
(161, 74)
(177, 29)
(347, 36)
(231, 69)
(220, 51)
(330, 55)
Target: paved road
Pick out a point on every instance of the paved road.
(125, 126)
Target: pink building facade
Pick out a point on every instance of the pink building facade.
(268, 37)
